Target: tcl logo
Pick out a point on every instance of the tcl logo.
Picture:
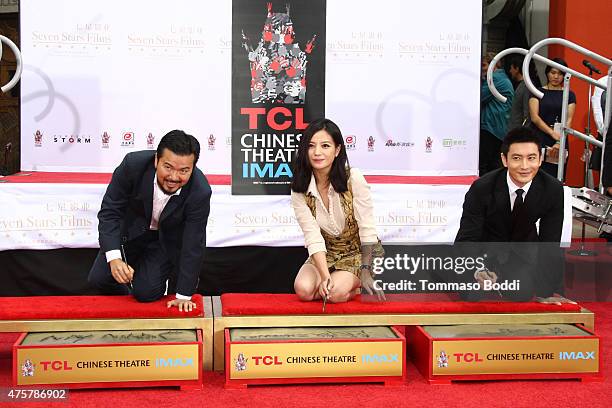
(267, 360)
(55, 365)
(467, 357)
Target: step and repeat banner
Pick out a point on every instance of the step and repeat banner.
(245, 77)
(48, 216)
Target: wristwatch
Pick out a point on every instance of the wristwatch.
(366, 268)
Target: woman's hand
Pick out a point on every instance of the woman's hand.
(326, 286)
(367, 283)
(555, 135)
(553, 152)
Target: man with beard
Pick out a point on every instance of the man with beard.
(152, 224)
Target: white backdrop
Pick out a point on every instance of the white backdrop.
(47, 216)
(398, 73)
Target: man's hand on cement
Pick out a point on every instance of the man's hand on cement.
(484, 275)
(122, 272)
(183, 305)
(554, 300)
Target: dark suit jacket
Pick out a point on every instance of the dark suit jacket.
(126, 209)
(487, 218)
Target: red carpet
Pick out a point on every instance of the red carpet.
(91, 307)
(415, 393)
(243, 304)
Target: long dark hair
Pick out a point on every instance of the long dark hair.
(302, 170)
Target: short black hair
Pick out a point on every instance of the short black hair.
(517, 61)
(302, 170)
(180, 143)
(558, 60)
(521, 134)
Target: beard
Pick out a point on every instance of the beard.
(166, 192)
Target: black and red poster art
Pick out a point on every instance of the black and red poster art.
(278, 87)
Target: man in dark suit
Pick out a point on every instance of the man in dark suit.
(501, 210)
(152, 224)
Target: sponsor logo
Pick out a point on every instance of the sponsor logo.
(150, 141)
(173, 362)
(573, 355)
(56, 365)
(27, 368)
(428, 144)
(127, 140)
(38, 138)
(450, 143)
(379, 358)
(211, 142)
(371, 141)
(442, 359)
(467, 358)
(350, 142)
(105, 140)
(71, 139)
(267, 360)
(391, 143)
(240, 363)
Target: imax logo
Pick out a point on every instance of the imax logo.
(173, 362)
(572, 355)
(380, 358)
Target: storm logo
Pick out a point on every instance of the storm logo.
(278, 65)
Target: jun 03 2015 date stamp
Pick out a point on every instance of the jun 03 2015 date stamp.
(33, 394)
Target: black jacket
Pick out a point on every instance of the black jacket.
(487, 219)
(126, 209)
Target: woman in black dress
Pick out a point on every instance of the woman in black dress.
(546, 112)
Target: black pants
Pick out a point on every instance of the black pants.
(152, 269)
(489, 152)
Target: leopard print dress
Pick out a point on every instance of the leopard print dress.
(343, 251)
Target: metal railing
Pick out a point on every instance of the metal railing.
(565, 130)
(19, 68)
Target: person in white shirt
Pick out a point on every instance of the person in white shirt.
(333, 206)
(596, 104)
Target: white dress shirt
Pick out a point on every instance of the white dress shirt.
(596, 104)
(512, 190)
(333, 221)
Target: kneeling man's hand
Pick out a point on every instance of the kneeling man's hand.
(483, 275)
(122, 272)
(554, 300)
(183, 305)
